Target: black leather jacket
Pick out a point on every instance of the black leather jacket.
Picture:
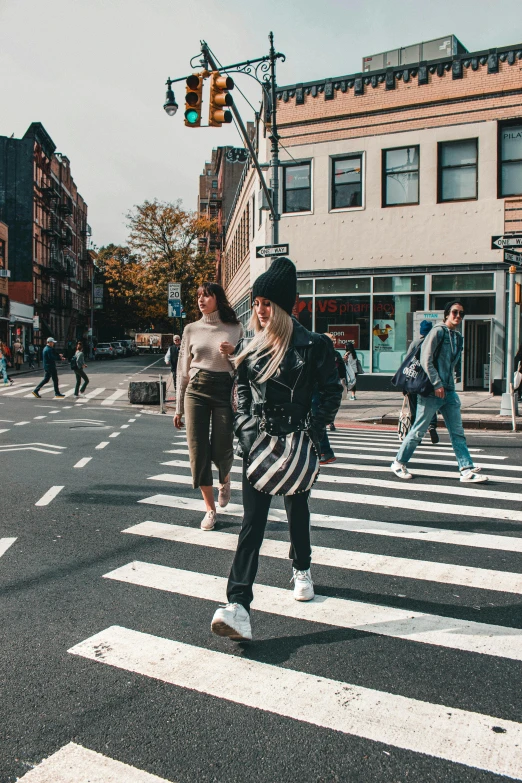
(308, 368)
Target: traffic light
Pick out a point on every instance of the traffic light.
(219, 99)
(193, 100)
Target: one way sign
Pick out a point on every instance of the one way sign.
(508, 240)
(265, 251)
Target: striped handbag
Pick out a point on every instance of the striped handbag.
(282, 464)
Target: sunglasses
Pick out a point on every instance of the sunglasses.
(461, 313)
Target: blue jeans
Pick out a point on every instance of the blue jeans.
(4, 374)
(449, 406)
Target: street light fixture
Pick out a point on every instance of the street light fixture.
(170, 104)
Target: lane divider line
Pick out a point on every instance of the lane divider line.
(49, 495)
(82, 462)
(102, 444)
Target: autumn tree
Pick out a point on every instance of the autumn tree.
(164, 240)
(119, 271)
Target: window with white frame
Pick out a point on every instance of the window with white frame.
(347, 182)
(297, 187)
(510, 160)
(458, 170)
(400, 176)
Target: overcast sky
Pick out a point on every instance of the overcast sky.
(93, 72)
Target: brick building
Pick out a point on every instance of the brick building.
(392, 184)
(218, 186)
(51, 269)
(4, 283)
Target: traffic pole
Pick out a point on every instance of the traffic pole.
(509, 401)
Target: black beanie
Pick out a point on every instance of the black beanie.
(449, 305)
(278, 283)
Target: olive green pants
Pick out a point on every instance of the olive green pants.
(209, 416)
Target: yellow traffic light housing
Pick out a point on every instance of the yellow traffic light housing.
(220, 99)
(193, 100)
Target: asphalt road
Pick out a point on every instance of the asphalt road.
(407, 669)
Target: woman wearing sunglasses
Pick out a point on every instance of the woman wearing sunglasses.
(440, 354)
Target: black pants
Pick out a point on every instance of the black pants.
(246, 560)
(47, 377)
(81, 375)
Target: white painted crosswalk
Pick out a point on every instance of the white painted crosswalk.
(466, 521)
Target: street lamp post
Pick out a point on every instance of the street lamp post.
(263, 70)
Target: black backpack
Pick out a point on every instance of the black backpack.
(74, 364)
(411, 377)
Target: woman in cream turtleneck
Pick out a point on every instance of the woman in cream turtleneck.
(204, 388)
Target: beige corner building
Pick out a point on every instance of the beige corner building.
(393, 182)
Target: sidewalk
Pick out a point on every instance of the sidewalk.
(480, 410)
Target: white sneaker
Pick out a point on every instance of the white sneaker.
(353, 397)
(472, 476)
(232, 620)
(209, 521)
(400, 470)
(224, 494)
(303, 585)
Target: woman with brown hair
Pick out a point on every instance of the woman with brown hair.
(205, 378)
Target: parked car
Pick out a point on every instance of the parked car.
(104, 351)
(119, 348)
(130, 347)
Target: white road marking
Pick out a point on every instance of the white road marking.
(49, 495)
(75, 764)
(94, 393)
(131, 420)
(81, 463)
(40, 417)
(114, 434)
(113, 397)
(439, 489)
(124, 427)
(364, 441)
(447, 474)
(431, 507)
(21, 423)
(5, 430)
(102, 444)
(500, 641)
(19, 387)
(394, 449)
(5, 543)
(365, 526)
(425, 570)
(433, 729)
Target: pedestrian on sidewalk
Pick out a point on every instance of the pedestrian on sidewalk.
(31, 353)
(326, 450)
(18, 354)
(424, 329)
(278, 372)
(3, 370)
(441, 352)
(517, 362)
(78, 364)
(350, 358)
(204, 382)
(50, 371)
(172, 356)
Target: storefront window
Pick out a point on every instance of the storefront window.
(478, 281)
(305, 286)
(348, 319)
(389, 329)
(304, 311)
(402, 284)
(343, 285)
(479, 304)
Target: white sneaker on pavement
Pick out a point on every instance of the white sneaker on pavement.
(209, 521)
(472, 476)
(232, 620)
(400, 470)
(303, 585)
(224, 494)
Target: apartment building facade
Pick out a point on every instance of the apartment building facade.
(51, 269)
(392, 184)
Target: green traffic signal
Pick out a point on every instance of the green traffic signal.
(192, 116)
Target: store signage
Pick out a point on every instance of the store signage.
(383, 335)
(513, 257)
(508, 240)
(97, 297)
(266, 251)
(344, 333)
(36, 322)
(237, 155)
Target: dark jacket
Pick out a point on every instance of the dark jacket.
(174, 356)
(518, 358)
(49, 362)
(308, 366)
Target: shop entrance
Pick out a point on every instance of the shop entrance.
(477, 356)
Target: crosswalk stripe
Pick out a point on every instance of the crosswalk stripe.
(75, 764)
(352, 525)
(424, 570)
(420, 461)
(340, 439)
(433, 729)
(5, 543)
(394, 449)
(19, 387)
(94, 393)
(427, 506)
(439, 489)
(448, 474)
(500, 641)
(113, 397)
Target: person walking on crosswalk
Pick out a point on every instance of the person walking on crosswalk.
(78, 364)
(204, 390)
(278, 372)
(425, 328)
(50, 371)
(172, 356)
(440, 354)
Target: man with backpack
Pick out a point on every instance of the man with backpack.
(172, 356)
(441, 352)
(50, 371)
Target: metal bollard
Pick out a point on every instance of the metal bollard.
(162, 407)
